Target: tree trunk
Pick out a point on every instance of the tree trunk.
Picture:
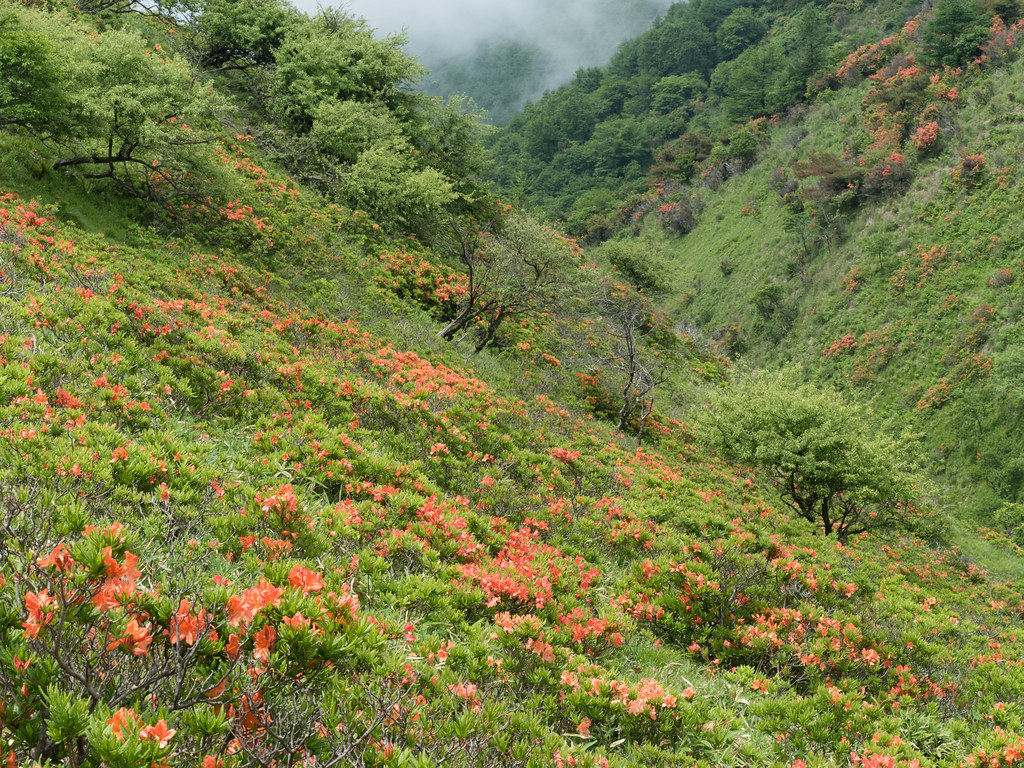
(460, 322)
(490, 333)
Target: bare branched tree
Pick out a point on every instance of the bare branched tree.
(641, 368)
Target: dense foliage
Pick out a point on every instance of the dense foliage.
(833, 466)
(258, 511)
(703, 66)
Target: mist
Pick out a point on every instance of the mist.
(454, 27)
(568, 34)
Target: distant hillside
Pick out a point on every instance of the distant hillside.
(670, 93)
(314, 453)
(856, 213)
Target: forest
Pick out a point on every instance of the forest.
(674, 422)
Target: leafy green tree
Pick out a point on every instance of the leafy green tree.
(405, 176)
(833, 464)
(710, 13)
(240, 32)
(1010, 517)
(615, 144)
(805, 44)
(954, 33)
(738, 31)
(750, 84)
(346, 129)
(34, 80)
(677, 46)
(450, 137)
(675, 91)
(335, 56)
(141, 119)
(640, 264)
(590, 218)
(387, 182)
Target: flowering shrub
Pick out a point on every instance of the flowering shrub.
(926, 135)
(970, 174)
(888, 176)
(679, 216)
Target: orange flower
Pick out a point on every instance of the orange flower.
(217, 691)
(187, 627)
(129, 571)
(112, 594)
(159, 733)
(242, 609)
(37, 603)
(264, 642)
(584, 727)
(136, 639)
(120, 719)
(298, 621)
(305, 579)
(59, 558)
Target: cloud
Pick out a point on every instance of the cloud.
(565, 29)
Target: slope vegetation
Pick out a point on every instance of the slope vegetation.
(258, 513)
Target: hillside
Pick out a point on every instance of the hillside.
(313, 453)
(864, 226)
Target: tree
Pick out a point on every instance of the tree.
(615, 145)
(335, 56)
(33, 80)
(804, 43)
(675, 91)
(521, 269)
(677, 46)
(954, 34)
(367, 161)
(240, 32)
(640, 264)
(641, 366)
(141, 119)
(738, 31)
(832, 463)
(750, 83)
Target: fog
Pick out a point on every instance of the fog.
(456, 26)
(571, 33)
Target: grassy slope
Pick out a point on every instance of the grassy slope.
(248, 402)
(911, 322)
